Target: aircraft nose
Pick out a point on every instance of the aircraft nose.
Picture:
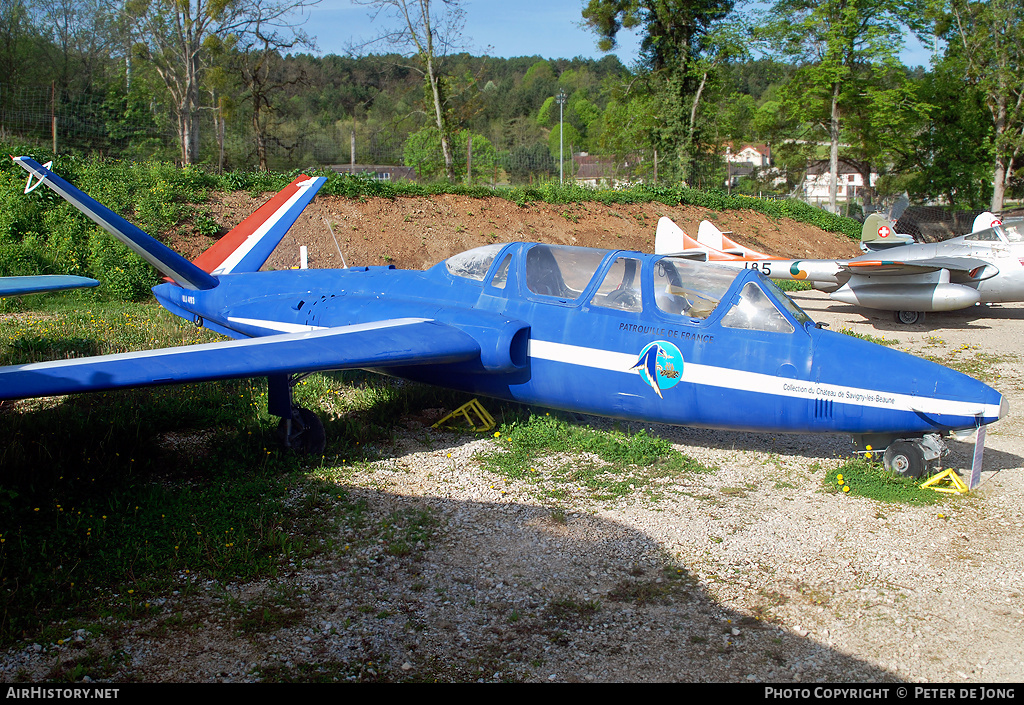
(1004, 408)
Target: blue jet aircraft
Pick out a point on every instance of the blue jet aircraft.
(612, 333)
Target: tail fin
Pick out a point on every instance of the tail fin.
(166, 260)
(879, 233)
(250, 243)
(985, 221)
(710, 236)
(670, 239)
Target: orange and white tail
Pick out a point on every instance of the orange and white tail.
(670, 239)
(709, 235)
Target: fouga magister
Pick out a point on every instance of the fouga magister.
(613, 333)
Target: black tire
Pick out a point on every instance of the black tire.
(904, 458)
(307, 437)
(908, 318)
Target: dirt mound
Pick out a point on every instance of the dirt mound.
(415, 233)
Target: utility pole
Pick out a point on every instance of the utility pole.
(561, 148)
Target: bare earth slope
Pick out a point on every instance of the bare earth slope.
(414, 233)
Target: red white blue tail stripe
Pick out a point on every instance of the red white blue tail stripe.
(250, 243)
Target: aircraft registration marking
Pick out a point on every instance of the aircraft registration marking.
(741, 380)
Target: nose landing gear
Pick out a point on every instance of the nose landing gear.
(915, 457)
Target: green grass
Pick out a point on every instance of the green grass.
(109, 500)
(872, 480)
(792, 285)
(80, 324)
(561, 459)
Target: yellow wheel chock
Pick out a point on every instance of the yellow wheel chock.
(956, 485)
(483, 421)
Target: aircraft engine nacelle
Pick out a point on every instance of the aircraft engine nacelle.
(504, 344)
(903, 297)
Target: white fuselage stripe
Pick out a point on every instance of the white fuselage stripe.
(740, 380)
(279, 326)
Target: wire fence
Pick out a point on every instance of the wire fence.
(66, 122)
(108, 125)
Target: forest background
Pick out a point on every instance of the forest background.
(237, 84)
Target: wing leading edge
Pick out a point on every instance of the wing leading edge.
(395, 342)
(34, 284)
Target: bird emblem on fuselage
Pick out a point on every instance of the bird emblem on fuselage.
(661, 365)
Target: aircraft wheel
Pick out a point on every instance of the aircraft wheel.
(905, 458)
(908, 318)
(307, 433)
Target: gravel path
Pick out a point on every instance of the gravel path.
(751, 573)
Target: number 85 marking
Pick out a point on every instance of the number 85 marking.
(764, 267)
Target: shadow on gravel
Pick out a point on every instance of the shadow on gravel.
(975, 318)
(512, 592)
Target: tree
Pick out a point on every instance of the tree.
(951, 154)
(524, 162)
(176, 35)
(171, 34)
(425, 36)
(984, 44)
(833, 41)
(630, 122)
(676, 35)
(256, 59)
(422, 151)
(16, 38)
(80, 34)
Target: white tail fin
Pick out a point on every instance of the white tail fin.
(985, 221)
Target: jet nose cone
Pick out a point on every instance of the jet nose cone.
(1004, 408)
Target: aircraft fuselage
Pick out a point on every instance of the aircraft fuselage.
(578, 348)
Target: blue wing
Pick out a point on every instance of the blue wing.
(395, 342)
(15, 286)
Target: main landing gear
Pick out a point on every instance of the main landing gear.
(300, 429)
(908, 318)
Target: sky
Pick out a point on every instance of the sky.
(551, 29)
(547, 28)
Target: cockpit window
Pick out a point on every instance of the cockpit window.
(688, 288)
(756, 311)
(473, 264)
(558, 270)
(621, 286)
(1014, 230)
(501, 275)
(1011, 231)
(989, 235)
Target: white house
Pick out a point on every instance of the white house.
(848, 184)
(756, 155)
